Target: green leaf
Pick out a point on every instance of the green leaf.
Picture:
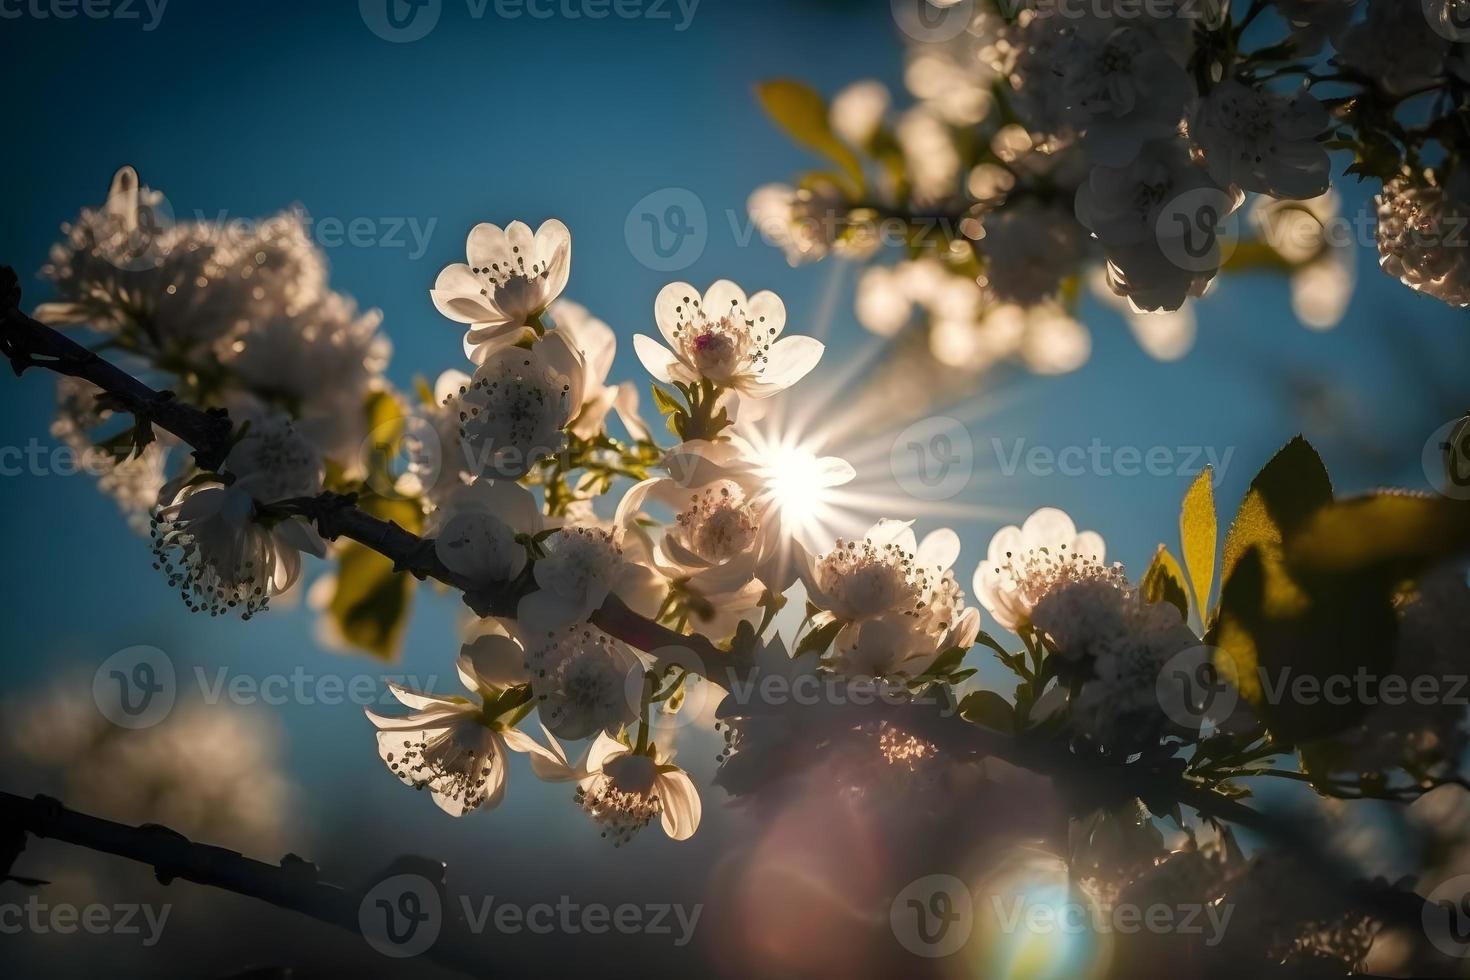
(1276, 626)
(371, 603)
(989, 709)
(1289, 490)
(819, 639)
(666, 403)
(802, 113)
(1396, 533)
(1197, 533)
(1164, 582)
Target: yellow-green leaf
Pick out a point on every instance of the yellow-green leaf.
(989, 709)
(802, 113)
(1197, 533)
(1396, 532)
(371, 603)
(1164, 582)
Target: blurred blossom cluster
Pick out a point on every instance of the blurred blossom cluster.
(210, 771)
(1044, 141)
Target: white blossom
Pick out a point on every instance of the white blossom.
(1024, 563)
(598, 346)
(811, 222)
(727, 339)
(447, 745)
(511, 278)
(580, 679)
(1395, 45)
(518, 404)
(1123, 89)
(583, 565)
(896, 598)
(1263, 142)
(713, 547)
(623, 790)
(752, 526)
(1422, 234)
(475, 528)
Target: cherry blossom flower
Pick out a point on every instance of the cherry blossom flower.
(518, 404)
(1395, 45)
(896, 598)
(712, 548)
(1263, 142)
(447, 744)
(580, 678)
(1120, 643)
(727, 339)
(511, 278)
(1026, 562)
(623, 790)
(209, 539)
(583, 565)
(780, 536)
(1123, 89)
(175, 289)
(598, 346)
(476, 526)
(1157, 219)
(1422, 237)
(809, 223)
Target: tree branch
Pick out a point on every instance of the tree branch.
(29, 343)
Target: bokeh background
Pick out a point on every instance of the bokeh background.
(240, 109)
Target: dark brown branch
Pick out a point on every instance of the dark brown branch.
(28, 343)
(293, 884)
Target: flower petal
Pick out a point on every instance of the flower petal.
(681, 806)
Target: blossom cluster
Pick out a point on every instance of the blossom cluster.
(1045, 141)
